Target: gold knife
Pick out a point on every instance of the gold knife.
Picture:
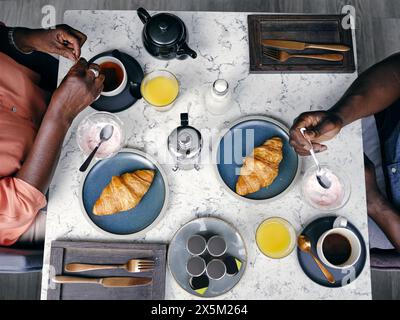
(296, 45)
(111, 282)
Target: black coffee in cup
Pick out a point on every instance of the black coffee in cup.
(336, 248)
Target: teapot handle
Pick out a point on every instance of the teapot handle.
(184, 49)
(143, 15)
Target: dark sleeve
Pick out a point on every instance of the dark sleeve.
(42, 63)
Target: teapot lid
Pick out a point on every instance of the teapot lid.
(164, 29)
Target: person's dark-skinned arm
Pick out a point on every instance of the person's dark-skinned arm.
(373, 91)
(379, 208)
(78, 90)
(61, 40)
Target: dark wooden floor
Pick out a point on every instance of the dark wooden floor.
(25, 286)
(378, 25)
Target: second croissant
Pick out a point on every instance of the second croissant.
(261, 167)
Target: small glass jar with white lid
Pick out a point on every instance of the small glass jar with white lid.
(218, 99)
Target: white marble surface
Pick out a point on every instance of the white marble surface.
(221, 42)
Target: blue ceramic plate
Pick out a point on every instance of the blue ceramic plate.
(133, 221)
(240, 140)
(342, 277)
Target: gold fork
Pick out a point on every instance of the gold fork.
(282, 56)
(133, 265)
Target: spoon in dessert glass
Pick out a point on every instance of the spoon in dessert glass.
(323, 180)
(105, 134)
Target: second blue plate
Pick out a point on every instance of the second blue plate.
(240, 140)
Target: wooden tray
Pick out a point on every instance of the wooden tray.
(63, 252)
(304, 28)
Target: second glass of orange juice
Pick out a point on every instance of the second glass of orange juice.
(160, 89)
(276, 238)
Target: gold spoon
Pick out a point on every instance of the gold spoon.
(305, 245)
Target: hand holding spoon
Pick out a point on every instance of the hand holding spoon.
(323, 180)
(105, 134)
(304, 245)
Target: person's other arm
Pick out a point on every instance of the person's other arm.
(385, 215)
(373, 91)
(63, 40)
(78, 90)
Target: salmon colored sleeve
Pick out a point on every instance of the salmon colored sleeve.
(19, 204)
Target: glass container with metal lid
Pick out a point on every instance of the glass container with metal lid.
(185, 144)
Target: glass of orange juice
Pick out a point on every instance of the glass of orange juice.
(160, 89)
(276, 238)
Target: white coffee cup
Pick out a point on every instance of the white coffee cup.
(122, 85)
(340, 227)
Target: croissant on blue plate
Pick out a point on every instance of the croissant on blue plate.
(261, 167)
(123, 192)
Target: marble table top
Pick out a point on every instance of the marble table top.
(221, 41)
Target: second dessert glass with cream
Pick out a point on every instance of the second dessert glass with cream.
(330, 199)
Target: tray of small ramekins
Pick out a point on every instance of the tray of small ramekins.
(178, 255)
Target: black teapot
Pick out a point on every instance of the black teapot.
(165, 36)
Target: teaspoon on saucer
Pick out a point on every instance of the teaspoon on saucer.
(304, 245)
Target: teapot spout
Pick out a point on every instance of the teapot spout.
(185, 50)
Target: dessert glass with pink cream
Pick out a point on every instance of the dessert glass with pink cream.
(330, 199)
(88, 134)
